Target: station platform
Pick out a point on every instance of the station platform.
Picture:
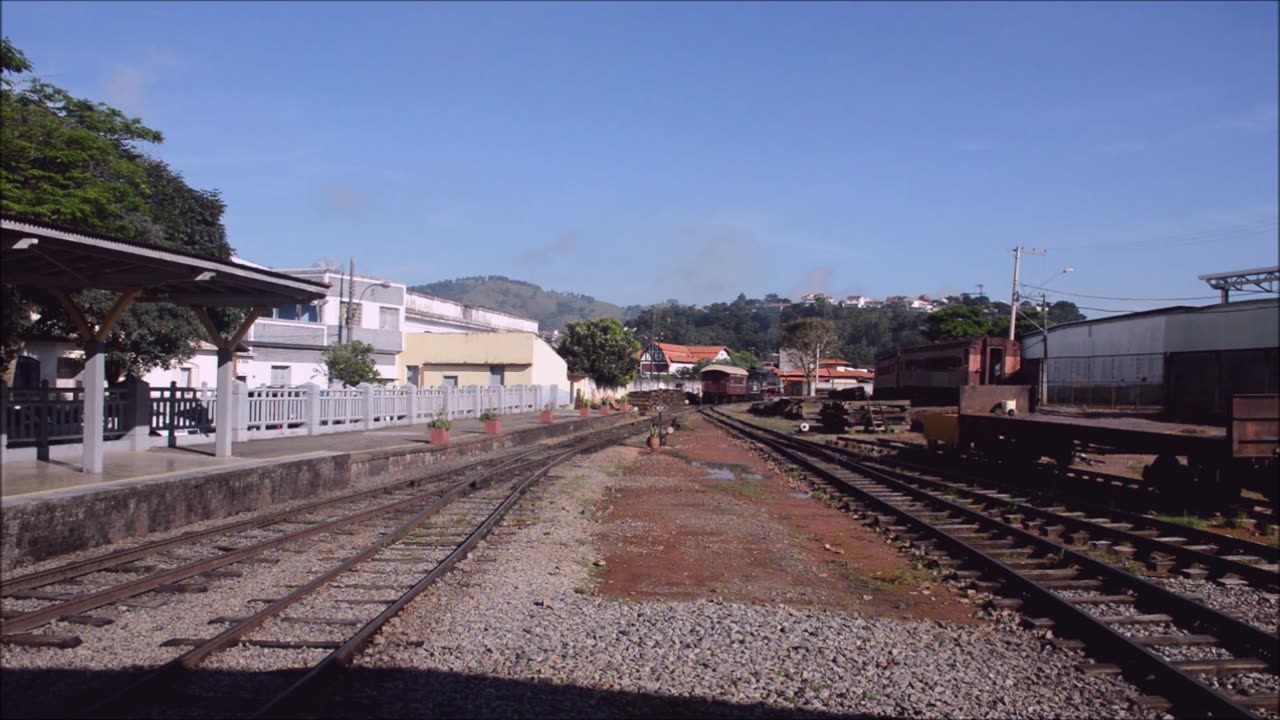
(51, 508)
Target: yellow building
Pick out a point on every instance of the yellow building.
(490, 358)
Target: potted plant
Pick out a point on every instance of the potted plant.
(584, 407)
(605, 407)
(624, 403)
(655, 436)
(439, 429)
(545, 417)
(492, 425)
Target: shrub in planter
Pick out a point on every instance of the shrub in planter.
(492, 425)
(439, 430)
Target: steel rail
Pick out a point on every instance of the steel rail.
(346, 653)
(1226, 543)
(232, 635)
(1185, 556)
(90, 565)
(1183, 689)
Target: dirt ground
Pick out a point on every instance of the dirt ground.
(705, 517)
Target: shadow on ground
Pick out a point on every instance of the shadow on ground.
(362, 694)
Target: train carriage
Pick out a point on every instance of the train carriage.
(934, 373)
(724, 383)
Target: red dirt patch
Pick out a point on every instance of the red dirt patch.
(706, 517)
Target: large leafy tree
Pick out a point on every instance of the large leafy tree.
(602, 350)
(957, 321)
(351, 363)
(805, 342)
(77, 162)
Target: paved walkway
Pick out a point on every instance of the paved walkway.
(28, 477)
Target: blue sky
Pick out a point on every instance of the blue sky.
(644, 151)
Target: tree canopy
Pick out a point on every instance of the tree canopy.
(602, 350)
(805, 342)
(78, 162)
(351, 363)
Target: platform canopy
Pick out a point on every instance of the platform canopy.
(59, 260)
(1265, 279)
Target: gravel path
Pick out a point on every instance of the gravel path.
(526, 636)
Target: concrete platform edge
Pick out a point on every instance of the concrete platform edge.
(38, 527)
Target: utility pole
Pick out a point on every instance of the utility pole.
(342, 292)
(981, 293)
(351, 295)
(1044, 361)
(1017, 268)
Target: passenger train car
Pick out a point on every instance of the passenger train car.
(933, 374)
(724, 383)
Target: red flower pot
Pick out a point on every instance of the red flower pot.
(653, 442)
(584, 412)
(439, 436)
(605, 410)
(492, 427)
(545, 418)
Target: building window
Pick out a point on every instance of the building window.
(388, 318)
(280, 375)
(305, 313)
(497, 375)
(449, 381)
(412, 374)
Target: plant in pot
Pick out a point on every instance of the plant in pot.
(624, 403)
(545, 417)
(655, 436)
(606, 407)
(492, 425)
(584, 407)
(439, 429)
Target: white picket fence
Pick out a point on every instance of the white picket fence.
(315, 410)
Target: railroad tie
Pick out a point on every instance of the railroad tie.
(63, 642)
(1150, 619)
(1174, 640)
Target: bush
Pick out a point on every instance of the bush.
(488, 416)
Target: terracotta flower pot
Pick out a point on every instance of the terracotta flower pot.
(545, 418)
(653, 442)
(625, 407)
(493, 427)
(439, 436)
(605, 410)
(584, 412)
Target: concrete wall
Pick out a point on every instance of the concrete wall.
(527, 358)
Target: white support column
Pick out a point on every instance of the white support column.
(224, 414)
(95, 387)
(240, 401)
(502, 400)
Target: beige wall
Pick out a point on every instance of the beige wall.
(528, 360)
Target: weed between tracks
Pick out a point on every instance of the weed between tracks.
(1185, 519)
(903, 577)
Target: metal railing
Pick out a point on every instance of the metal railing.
(47, 416)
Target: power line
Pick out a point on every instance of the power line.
(1134, 299)
(1215, 235)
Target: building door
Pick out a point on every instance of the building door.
(449, 381)
(995, 366)
(26, 376)
(184, 377)
(412, 375)
(280, 375)
(497, 375)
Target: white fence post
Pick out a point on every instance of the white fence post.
(502, 401)
(311, 407)
(411, 404)
(367, 393)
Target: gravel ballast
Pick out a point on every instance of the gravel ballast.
(530, 620)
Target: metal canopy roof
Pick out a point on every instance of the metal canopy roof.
(1238, 279)
(40, 255)
(727, 369)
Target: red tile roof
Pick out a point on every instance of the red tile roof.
(690, 353)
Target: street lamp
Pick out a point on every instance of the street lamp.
(1044, 332)
(350, 306)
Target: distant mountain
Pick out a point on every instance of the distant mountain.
(552, 309)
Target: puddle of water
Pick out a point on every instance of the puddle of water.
(715, 472)
(799, 495)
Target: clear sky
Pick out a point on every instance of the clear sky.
(644, 151)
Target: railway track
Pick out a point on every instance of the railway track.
(1186, 655)
(1159, 544)
(405, 545)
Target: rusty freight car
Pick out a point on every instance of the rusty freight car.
(933, 374)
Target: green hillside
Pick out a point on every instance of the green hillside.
(550, 308)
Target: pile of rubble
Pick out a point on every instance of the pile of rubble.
(646, 400)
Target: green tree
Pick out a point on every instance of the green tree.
(77, 162)
(351, 363)
(805, 341)
(744, 359)
(1064, 311)
(601, 349)
(956, 321)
